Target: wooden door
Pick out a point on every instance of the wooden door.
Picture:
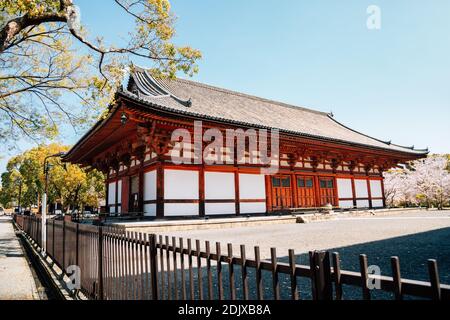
(305, 192)
(281, 192)
(327, 191)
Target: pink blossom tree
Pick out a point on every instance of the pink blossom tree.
(425, 181)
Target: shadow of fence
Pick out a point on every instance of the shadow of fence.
(118, 265)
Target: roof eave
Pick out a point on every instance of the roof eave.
(409, 152)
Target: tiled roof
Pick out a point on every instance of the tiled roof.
(197, 99)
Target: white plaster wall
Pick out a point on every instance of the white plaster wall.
(181, 209)
(375, 189)
(150, 210)
(252, 186)
(377, 203)
(257, 207)
(112, 193)
(119, 189)
(362, 203)
(219, 185)
(344, 188)
(220, 208)
(361, 188)
(150, 185)
(284, 163)
(345, 204)
(181, 185)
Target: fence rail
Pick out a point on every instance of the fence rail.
(119, 265)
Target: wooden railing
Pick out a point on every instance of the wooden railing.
(119, 265)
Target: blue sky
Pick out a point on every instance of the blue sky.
(392, 83)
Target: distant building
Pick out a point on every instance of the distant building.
(321, 161)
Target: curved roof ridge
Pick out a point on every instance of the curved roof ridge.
(249, 96)
(163, 87)
(388, 143)
(411, 147)
(210, 101)
(227, 91)
(150, 86)
(129, 94)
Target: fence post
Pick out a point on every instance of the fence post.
(434, 279)
(53, 240)
(100, 263)
(64, 247)
(77, 244)
(321, 272)
(154, 266)
(46, 237)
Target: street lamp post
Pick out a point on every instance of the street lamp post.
(44, 202)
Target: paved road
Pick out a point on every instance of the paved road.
(413, 236)
(16, 279)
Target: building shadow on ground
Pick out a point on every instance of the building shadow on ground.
(413, 251)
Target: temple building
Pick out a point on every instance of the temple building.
(319, 161)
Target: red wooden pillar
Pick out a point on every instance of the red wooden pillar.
(160, 190)
(336, 192)
(269, 203)
(237, 192)
(107, 193)
(369, 192)
(125, 194)
(294, 190)
(201, 183)
(141, 187)
(317, 191)
(354, 192)
(382, 191)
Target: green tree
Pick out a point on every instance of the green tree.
(47, 55)
(68, 184)
(74, 188)
(13, 186)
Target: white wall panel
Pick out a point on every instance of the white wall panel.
(220, 208)
(180, 185)
(150, 210)
(112, 193)
(345, 204)
(252, 186)
(257, 207)
(377, 203)
(361, 188)
(119, 188)
(219, 185)
(150, 185)
(344, 188)
(375, 189)
(181, 209)
(362, 203)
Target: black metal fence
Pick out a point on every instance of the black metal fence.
(120, 265)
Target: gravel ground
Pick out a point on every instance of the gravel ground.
(412, 236)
